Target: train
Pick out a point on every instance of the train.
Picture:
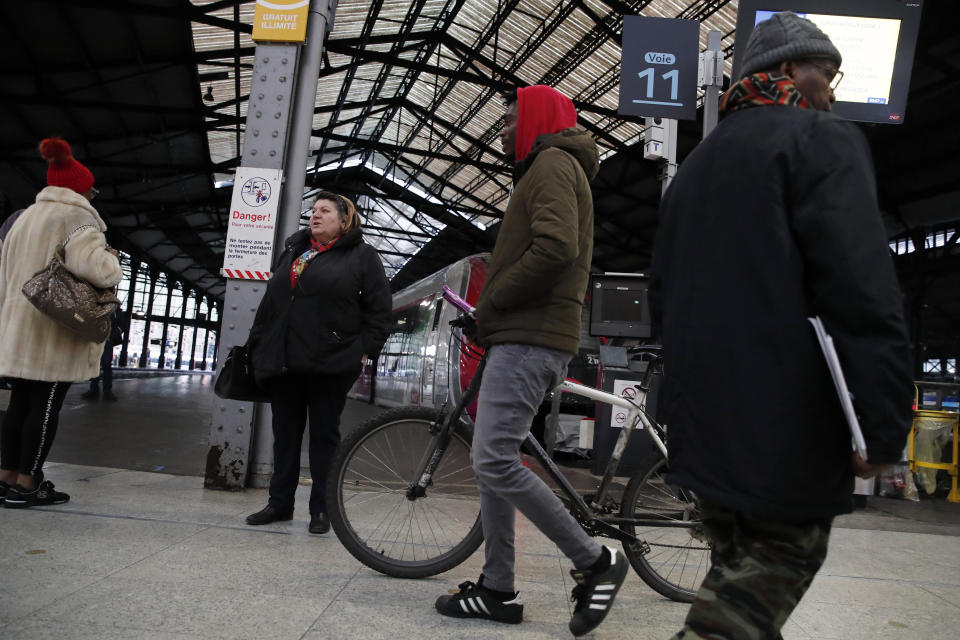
(422, 362)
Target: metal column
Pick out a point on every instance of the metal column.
(134, 271)
(711, 80)
(668, 168)
(269, 113)
(206, 342)
(145, 351)
(216, 344)
(193, 336)
(161, 361)
(183, 315)
(301, 126)
(660, 144)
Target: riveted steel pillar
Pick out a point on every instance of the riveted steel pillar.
(236, 426)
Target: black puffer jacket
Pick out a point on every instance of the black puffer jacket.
(339, 311)
(772, 219)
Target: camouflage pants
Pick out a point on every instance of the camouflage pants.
(760, 571)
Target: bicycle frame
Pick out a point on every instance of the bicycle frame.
(587, 513)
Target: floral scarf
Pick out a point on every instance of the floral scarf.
(761, 89)
(316, 248)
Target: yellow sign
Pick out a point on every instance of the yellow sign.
(281, 20)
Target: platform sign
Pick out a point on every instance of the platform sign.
(658, 72)
(280, 20)
(251, 224)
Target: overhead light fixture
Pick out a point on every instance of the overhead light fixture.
(208, 96)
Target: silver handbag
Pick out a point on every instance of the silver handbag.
(70, 301)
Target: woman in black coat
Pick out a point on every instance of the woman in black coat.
(327, 309)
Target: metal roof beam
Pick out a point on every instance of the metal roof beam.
(701, 10)
(438, 212)
(109, 105)
(486, 208)
(394, 150)
(208, 56)
(410, 40)
(411, 234)
(322, 131)
(365, 33)
(441, 24)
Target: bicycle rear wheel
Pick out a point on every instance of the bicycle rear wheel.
(369, 508)
(673, 558)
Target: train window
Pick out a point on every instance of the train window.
(402, 354)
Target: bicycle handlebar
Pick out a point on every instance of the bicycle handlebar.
(456, 300)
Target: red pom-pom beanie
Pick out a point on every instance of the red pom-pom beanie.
(63, 170)
(541, 110)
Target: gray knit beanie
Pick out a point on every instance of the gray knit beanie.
(785, 36)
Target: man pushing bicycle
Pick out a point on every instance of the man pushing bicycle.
(528, 318)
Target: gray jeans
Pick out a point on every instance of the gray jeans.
(516, 378)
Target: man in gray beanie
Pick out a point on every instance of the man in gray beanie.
(772, 219)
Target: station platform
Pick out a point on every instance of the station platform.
(142, 550)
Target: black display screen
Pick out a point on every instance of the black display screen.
(618, 305)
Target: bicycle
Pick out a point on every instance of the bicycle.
(403, 500)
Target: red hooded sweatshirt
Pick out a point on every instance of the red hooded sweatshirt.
(540, 110)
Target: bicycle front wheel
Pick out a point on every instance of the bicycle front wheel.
(369, 508)
(673, 557)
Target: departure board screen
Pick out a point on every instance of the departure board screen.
(876, 39)
(868, 47)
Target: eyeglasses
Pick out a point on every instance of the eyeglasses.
(837, 77)
(94, 192)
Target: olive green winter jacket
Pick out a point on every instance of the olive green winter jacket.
(539, 270)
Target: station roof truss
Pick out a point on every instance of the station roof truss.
(152, 94)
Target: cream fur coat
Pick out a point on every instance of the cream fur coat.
(32, 346)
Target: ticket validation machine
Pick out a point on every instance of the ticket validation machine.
(620, 312)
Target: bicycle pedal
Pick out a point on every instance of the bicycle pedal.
(640, 546)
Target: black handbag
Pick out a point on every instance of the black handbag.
(235, 380)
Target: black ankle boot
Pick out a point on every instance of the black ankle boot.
(269, 514)
(319, 523)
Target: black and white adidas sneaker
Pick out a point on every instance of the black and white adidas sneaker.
(476, 601)
(595, 592)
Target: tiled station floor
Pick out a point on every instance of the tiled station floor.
(140, 552)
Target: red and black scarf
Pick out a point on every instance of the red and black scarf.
(316, 248)
(760, 90)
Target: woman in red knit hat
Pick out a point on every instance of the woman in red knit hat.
(41, 357)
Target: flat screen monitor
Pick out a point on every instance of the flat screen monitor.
(618, 305)
(876, 38)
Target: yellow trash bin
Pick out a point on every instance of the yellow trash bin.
(931, 431)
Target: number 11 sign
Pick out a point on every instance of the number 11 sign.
(658, 72)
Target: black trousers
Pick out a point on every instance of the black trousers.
(294, 398)
(30, 425)
(106, 371)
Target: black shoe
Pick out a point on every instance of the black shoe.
(18, 498)
(595, 592)
(90, 395)
(319, 523)
(269, 514)
(109, 397)
(4, 488)
(475, 601)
